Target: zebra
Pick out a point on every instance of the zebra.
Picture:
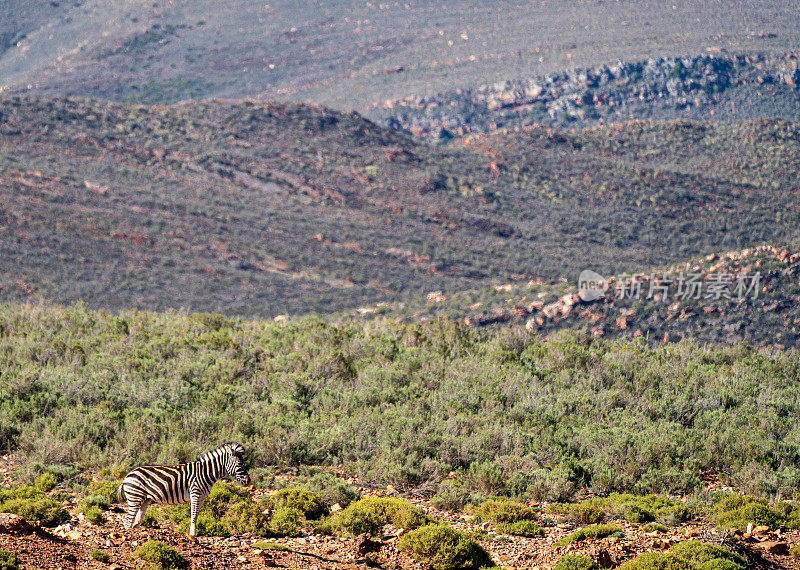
(173, 484)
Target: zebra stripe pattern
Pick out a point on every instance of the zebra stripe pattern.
(173, 484)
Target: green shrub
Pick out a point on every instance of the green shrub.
(795, 551)
(635, 508)
(100, 555)
(32, 505)
(46, 482)
(598, 531)
(736, 511)
(654, 527)
(60, 471)
(285, 521)
(150, 520)
(355, 520)
(269, 546)
(576, 562)
(503, 511)
(246, 517)
(98, 501)
(333, 490)
(105, 489)
(528, 529)
(371, 513)
(8, 560)
(161, 555)
(586, 512)
(698, 552)
(443, 548)
(207, 525)
(94, 515)
(657, 561)
(307, 502)
(451, 496)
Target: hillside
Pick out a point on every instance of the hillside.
(296, 209)
(353, 55)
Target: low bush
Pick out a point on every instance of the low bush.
(597, 531)
(353, 520)
(307, 502)
(98, 501)
(576, 562)
(657, 561)
(333, 490)
(794, 551)
(8, 560)
(736, 511)
(635, 508)
(527, 529)
(451, 496)
(46, 482)
(654, 527)
(100, 555)
(443, 548)
(699, 552)
(105, 489)
(286, 521)
(32, 505)
(161, 555)
(690, 555)
(503, 511)
(371, 513)
(94, 515)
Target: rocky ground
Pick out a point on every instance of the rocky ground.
(69, 545)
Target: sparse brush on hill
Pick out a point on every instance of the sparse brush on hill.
(399, 404)
(297, 209)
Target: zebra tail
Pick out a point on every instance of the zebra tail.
(120, 493)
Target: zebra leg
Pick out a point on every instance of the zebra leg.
(133, 510)
(140, 513)
(197, 504)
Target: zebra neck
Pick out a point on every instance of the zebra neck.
(212, 470)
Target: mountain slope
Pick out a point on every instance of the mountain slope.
(259, 208)
(349, 54)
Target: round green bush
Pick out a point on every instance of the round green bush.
(333, 490)
(94, 515)
(161, 555)
(576, 562)
(32, 505)
(698, 552)
(503, 511)
(657, 561)
(286, 521)
(8, 560)
(246, 516)
(307, 502)
(357, 520)
(654, 527)
(46, 482)
(443, 548)
(527, 529)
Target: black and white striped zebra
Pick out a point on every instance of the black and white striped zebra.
(173, 484)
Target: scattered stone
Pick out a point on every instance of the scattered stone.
(775, 547)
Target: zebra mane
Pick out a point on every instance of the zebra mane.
(231, 447)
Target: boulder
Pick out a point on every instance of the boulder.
(15, 525)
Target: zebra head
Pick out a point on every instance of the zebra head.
(234, 463)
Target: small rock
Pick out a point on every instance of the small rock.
(692, 532)
(336, 508)
(761, 530)
(775, 547)
(486, 525)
